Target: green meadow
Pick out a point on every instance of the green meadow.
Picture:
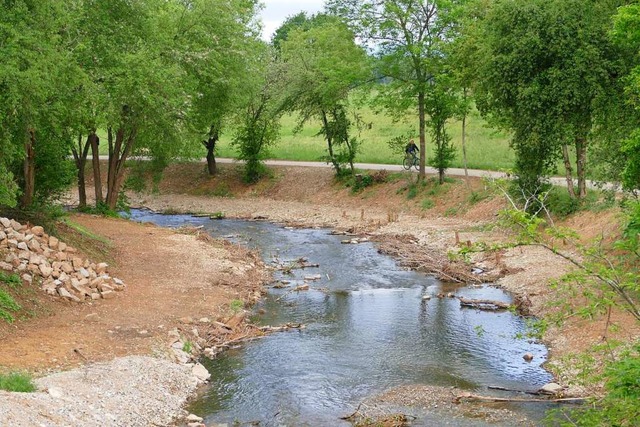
(486, 147)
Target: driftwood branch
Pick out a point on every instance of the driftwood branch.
(484, 304)
(476, 397)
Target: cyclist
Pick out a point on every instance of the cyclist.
(411, 149)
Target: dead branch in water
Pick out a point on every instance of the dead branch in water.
(469, 396)
(484, 304)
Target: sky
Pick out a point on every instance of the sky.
(276, 11)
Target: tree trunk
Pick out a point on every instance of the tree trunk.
(464, 140)
(119, 151)
(581, 162)
(29, 170)
(94, 141)
(325, 122)
(568, 171)
(80, 156)
(210, 145)
(423, 140)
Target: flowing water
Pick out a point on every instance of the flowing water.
(368, 329)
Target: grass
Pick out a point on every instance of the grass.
(486, 148)
(8, 305)
(17, 382)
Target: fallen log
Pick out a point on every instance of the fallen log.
(483, 304)
(469, 396)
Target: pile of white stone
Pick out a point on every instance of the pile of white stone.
(56, 267)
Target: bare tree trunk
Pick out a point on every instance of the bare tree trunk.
(94, 141)
(119, 151)
(210, 145)
(423, 139)
(581, 162)
(568, 171)
(332, 157)
(464, 140)
(29, 169)
(80, 154)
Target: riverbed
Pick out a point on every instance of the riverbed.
(370, 326)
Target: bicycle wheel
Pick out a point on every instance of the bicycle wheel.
(416, 163)
(407, 162)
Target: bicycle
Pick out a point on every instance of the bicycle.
(410, 160)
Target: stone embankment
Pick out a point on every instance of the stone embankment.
(53, 265)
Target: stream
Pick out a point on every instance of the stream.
(368, 329)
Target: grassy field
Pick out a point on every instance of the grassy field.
(486, 148)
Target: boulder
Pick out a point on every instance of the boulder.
(108, 294)
(26, 238)
(23, 246)
(37, 230)
(27, 277)
(66, 267)
(45, 270)
(34, 245)
(551, 388)
(62, 246)
(200, 372)
(25, 255)
(84, 272)
(53, 242)
(100, 268)
(6, 266)
(5, 222)
(16, 225)
(192, 418)
(68, 295)
(12, 243)
(3, 235)
(77, 263)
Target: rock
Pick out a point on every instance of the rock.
(61, 256)
(5, 222)
(66, 267)
(304, 287)
(181, 355)
(26, 238)
(34, 245)
(77, 263)
(314, 277)
(6, 266)
(101, 268)
(108, 294)
(200, 372)
(50, 288)
(45, 270)
(426, 297)
(37, 230)
(16, 225)
(27, 277)
(103, 287)
(3, 235)
(84, 272)
(23, 246)
(528, 357)
(12, 243)
(53, 242)
(194, 418)
(70, 249)
(62, 246)
(66, 294)
(551, 388)
(118, 281)
(95, 296)
(186, 320)
(195, 425)
(24, 255)
(93, 317)
(204, 320)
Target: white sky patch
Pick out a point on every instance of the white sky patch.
(276, 11)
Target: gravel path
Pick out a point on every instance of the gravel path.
(129, 391)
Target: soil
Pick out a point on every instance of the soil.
(171, 276)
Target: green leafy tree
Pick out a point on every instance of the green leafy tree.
(215, 41)
(323, 64)
(541, 68)
(258, 122)
(36, 78)
(411, 39)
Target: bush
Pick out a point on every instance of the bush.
(16, 382)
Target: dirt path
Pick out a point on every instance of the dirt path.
(169, 276)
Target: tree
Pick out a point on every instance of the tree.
(215, 41)
(410, 38)
(323, 64)
(258, 122)
(36, 80)
(541, 67)
(626, 34)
